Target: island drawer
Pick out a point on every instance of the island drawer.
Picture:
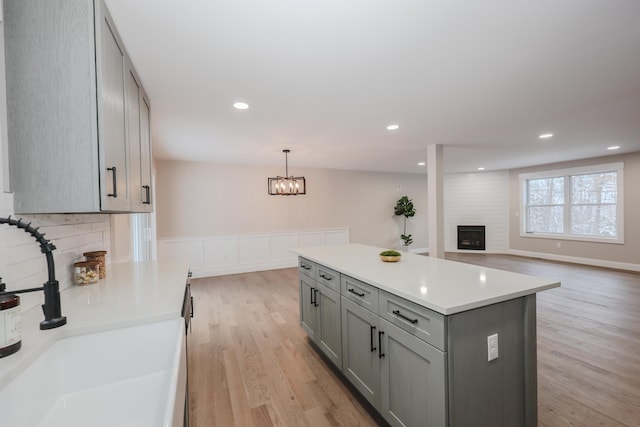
(417, 320)
(328, 277)
(306, 267)
(359, 292)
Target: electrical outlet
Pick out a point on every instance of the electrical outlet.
(492, 347)
(558, 244)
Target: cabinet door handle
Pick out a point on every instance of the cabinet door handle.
(115, 183)
(361, 295)
(315, 297)
(402, 316)
(311, 293)
(380, 334)
(373, 347)
(147, 196)
(192, 307)
(326, 277)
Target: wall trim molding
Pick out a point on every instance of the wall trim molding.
(577, 260)
(244, 253)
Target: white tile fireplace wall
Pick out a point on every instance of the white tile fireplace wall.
(477, 199)
(22, 265)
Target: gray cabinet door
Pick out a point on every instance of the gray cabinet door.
(145, 152)
(134, 136)
(308, 315)
(112, 116)
(328, 332)
(360, 357)
(413, 380)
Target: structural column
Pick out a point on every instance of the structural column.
(435, 199)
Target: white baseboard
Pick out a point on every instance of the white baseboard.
(577, 260)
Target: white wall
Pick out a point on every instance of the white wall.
(195, 200)
(477, 199)
(625, 256)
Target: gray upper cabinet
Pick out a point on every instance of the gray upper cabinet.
(145, 153)
(112, 116)
(70, 110)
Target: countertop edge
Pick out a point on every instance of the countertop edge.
(449, 310)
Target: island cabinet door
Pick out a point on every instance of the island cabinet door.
(360, 357)
(413, 380)
(328, 333)
(308, 304)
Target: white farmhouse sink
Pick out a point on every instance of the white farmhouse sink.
(121, 377)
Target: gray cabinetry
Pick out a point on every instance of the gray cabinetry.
(112, 114)
(412, 379)
(360, 343)
(71, 118)
(139, 143)
(145, 153)
(320, 311)
(308, 316)
(329, 333)
(402, 376)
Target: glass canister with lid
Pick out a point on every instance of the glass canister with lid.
(100, 257)
(86, 272)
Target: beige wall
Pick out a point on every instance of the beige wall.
(629, 252)
(212, 199)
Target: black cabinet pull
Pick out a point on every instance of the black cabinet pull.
(311, 294)
(356, 293)
(306, 267)
(373, 347)
(397, 313)
(315, 297)
(115, 183)
(380, 334)
(147, 191)
(326, 277)
(192, 307)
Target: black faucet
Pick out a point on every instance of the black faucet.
(53, 317)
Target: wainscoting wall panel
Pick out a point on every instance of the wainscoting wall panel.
(219, 255)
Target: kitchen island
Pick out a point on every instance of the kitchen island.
(428, 342)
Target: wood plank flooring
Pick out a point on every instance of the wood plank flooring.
(252, 365)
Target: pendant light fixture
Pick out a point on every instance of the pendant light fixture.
(287, 185)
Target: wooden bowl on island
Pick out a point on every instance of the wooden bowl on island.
(390, 256)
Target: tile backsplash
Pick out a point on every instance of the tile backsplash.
(22, 264)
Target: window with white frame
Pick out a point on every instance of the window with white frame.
(578, 204)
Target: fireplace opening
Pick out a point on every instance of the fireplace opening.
(471, 237)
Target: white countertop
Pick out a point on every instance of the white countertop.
(447, 287)
(131, 294)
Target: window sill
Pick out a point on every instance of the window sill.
(589, 239)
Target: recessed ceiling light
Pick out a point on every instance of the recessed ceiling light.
(481, 168)
(393, 127)
(421, 164)
(613, 147)
(240, 105)
(545, 136)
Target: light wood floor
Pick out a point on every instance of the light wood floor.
(251, 364)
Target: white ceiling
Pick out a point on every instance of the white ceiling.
(324, 78)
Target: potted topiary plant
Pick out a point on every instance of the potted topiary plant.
(404, 207)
